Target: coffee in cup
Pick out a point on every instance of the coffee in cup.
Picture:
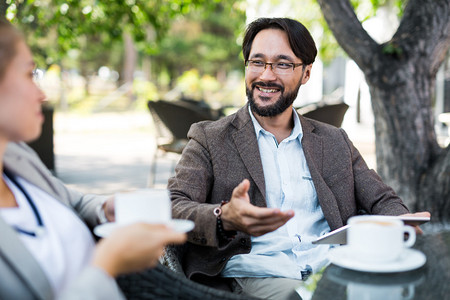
(378, 238)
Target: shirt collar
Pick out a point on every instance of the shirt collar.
(297, 131)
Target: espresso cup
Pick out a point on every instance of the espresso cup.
(378, 238)
(144, 205)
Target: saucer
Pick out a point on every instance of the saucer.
(178, 225)
(410, 259)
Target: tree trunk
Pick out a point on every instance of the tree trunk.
(3, 8)
(401, 76)
(129, 64)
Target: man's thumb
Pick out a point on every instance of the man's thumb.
(242, 188)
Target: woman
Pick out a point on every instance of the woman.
(46, 248)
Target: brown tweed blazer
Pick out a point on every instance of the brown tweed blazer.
(221, 154)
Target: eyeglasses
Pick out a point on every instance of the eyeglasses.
(281, 68)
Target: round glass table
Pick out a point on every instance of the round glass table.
(431, 281)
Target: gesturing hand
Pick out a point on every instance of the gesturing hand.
(239, 214)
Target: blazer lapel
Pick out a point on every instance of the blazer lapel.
(247, 146)
(22, 261)
(313, 148)
(15, 162)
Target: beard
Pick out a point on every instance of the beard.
(283, 102)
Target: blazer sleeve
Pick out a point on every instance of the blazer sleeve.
(85, 205)
(191, 186)
(371, 193)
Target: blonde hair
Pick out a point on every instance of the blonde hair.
(9, 37)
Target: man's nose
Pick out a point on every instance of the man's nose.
(268, 74)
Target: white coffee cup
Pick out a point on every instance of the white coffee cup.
(144, 205)
(378, 238)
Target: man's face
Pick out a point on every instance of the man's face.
(270, 94)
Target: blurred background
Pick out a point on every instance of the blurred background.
(100, 62)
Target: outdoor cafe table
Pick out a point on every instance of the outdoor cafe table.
(432, 281)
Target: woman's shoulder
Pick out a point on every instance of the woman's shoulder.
(19, 149)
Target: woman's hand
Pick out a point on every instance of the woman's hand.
(134, 248)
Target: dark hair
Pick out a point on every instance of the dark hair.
(300, 39)
(9, 37)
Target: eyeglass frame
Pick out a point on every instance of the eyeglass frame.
(293, 65)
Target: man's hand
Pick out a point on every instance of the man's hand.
(418, 214)
(239, 214)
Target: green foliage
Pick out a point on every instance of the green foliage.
(309, 14)
(366, 9)
(144, 90)
(62, 24)
(176, 36)
(194, 86)
(204, 41)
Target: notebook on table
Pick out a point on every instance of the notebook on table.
(339, 236)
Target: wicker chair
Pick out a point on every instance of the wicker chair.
(332, 114)
(172, 258)
(172, 120)
(162, 283)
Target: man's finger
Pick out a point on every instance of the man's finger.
(241, 189)
(275, 220)
(263, 213)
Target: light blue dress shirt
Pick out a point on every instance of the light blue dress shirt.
(288, 251)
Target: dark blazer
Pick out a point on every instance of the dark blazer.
(21, 275)
(221, 154)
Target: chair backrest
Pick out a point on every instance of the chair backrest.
(176, 117)
(332, 114)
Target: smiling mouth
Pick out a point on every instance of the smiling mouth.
(268, 90)
(265, 90)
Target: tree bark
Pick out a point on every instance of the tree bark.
(129, 64)
(3, 8)
(401, 76)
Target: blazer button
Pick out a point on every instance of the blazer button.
(203, 241)
(223, 259)
(243, 242)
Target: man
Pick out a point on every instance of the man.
(262, 184)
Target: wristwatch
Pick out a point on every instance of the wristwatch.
(226, 235)
(218, 210)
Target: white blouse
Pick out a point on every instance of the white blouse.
(63, 246)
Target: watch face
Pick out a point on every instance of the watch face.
(217, 211)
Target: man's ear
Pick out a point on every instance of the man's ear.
(306, 74)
